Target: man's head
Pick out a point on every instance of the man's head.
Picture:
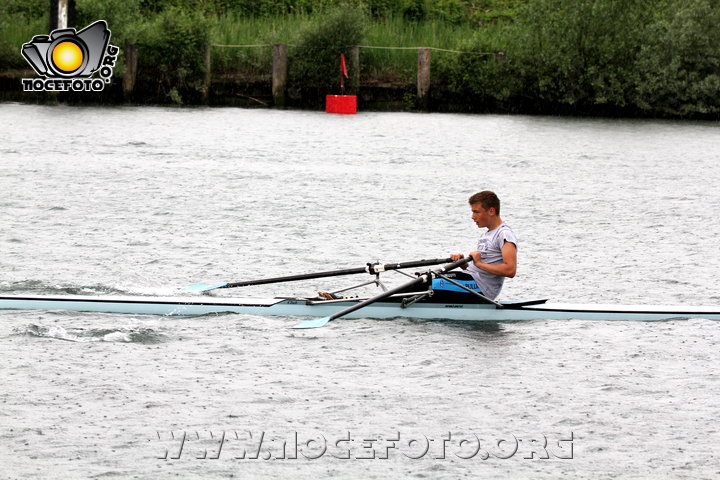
(485, 207)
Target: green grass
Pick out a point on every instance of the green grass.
(236, 30)
(396, 32)
(387, 65)
(14, 31)
(399, 65)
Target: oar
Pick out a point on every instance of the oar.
(424, 278)
(371, 268)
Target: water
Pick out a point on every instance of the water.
(148, 200)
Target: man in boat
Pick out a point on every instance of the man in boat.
(496, 254)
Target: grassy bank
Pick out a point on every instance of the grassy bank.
(392, 31)
(596, 57)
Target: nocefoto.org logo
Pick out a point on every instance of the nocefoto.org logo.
(67, 59)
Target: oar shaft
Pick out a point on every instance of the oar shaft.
(371, 268)
(424, 278)
(421, 279)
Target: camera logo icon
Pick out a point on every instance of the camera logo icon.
(68, 54)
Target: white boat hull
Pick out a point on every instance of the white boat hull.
(141, 305)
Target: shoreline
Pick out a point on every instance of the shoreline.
(255, 91)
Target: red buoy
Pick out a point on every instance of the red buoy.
(346, 104)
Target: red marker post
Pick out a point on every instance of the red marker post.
(344, 104)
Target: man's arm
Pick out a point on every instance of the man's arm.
(506, 269)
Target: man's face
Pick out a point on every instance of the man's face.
(481, 216)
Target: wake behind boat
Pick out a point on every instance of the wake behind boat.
(435, 294)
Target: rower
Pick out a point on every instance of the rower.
(496, 255)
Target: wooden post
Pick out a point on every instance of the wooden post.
(279, 74)
(355, 70)
(62, 14)
(208, 71)
(423, 78)
(131, 60)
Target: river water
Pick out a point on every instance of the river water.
(145, 201)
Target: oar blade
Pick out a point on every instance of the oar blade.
(313, 323)
(201, 287)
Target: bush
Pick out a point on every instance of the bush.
(122, 16)
(680, 61)
(315, 59)
(582, 54)
(172, 51)
(489, 80)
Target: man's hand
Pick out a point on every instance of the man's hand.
(457, 256)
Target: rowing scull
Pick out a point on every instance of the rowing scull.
(392, 308)
(435, 294)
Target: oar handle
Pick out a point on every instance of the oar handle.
(455, 264)
(373, 268)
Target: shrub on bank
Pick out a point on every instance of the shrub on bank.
(315, 59)
(607, 57)
(679, 63)
(173, 45)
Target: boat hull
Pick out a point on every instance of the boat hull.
(513, 311)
